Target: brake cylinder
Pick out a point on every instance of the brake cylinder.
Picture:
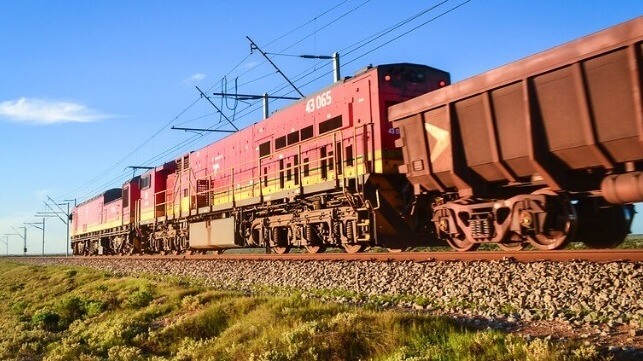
(623, 188)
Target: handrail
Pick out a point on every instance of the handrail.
(226, 178)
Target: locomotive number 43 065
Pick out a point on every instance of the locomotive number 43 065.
(318, 102)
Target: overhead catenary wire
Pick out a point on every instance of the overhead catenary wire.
(379, 35)
(307, 23)
(120, 162)
(412, 29)
(251, 107)
(257, 66)
(324, 26)
(361, 44)
(123, 159)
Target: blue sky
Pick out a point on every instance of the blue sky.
(88, 88)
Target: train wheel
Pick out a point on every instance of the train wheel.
(315, 249)
(137, 246)
(184, 244)
(462, 245)
(559, 224)
(280, 250)
(354, 248)
(607, 228)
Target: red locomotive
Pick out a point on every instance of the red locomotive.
(322, 172)
(537, 152)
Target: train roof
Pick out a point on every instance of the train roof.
(108, 196)
(359, 73)
(540, 62)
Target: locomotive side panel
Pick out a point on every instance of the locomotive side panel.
(94, 220)
(131, 196)
(112, 214)
(151, 204)
(90, 216)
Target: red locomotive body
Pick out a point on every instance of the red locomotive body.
(314, 174)
(131, 195)
(336, 140)
(99, 216)
(151, 203)
(95, 213)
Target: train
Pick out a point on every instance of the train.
(543, 151)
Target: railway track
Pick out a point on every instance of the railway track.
(611, 255)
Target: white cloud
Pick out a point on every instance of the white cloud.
(44, 111)
(194, 78)
(197, 76)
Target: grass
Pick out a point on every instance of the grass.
(65, 313)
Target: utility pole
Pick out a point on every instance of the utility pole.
(6, 242)
(58, 213)
(265, 98)
(335, 57)
(24, 238)
(37, 225)
(68, 221)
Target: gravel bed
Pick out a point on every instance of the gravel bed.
(598, 298)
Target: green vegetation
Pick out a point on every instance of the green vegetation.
(65, 313)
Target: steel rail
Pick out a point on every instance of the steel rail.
(602, 256)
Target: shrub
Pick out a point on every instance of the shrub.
(19, 307)
(71, 308)
(46, 319)
(190, 303)
(94, 308)
(138, 299)
(71, 273)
